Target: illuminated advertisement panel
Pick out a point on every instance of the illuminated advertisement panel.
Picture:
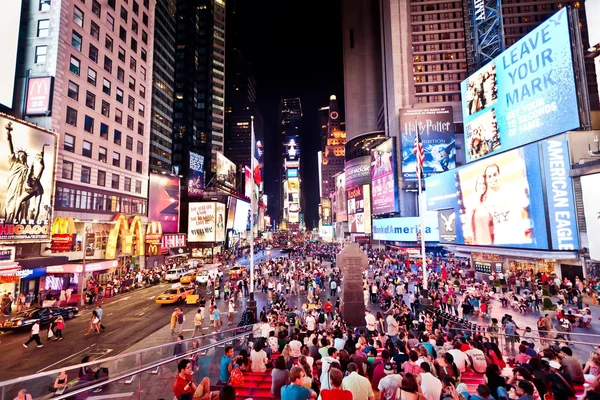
(293, 185)
(39, 96)
(591, 205)
(226, 171)
(163, 204)
(242, 216)
(10, 19)
(359, 209)
(383, 178)
(201, 222)
(196, 178)
(358, 172)
(341, 200)
(292, 172)
(27, 161)
(231, 212)
(220, 223)
(404, 229)
(525, 94)
(436, 126)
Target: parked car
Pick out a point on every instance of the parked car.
(25, 319)
(176, 294)
(175, 274)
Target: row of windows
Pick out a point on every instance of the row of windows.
(414, 7)
(439, 57)
(436, 17)
(86, 176)
(438, 98)
(434, 37)
(437, 27)
(69, 198)
(87, 149)
(451, 87)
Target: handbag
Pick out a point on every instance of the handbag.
(50, 334)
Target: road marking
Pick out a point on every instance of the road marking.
(64, 359)
(110, 396)
(108, 315)
(123, 299)
(151, 297)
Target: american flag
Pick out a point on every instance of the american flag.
(419, 153)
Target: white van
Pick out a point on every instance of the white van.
(206, 271)
(175, 274)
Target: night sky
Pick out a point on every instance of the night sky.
(296, 51)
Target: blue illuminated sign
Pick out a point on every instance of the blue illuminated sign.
(526, 94)
(559, 193)
(404, 229)
(292, 172)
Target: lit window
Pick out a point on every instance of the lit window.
(41, 53)
(43, 28)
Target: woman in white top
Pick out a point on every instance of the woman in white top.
(258, 358)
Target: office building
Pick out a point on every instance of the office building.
(99, 55)
(199, 113)
(333, 156)
(161, 132)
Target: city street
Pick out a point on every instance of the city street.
(129, 318)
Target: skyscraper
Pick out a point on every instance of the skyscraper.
(333, 155)
(290, 122)
(99, 55)
(241, 107)
(199, 111)
(161, 132)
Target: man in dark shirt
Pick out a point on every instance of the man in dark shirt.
(571, 365)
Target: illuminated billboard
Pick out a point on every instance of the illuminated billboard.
(196, 175)
(39, 96)
(231, 211)
(163, 202)
(226, 171)
(201, 222)
(341, 202)
(242, 216)
(27, 161)
(293, 185)
(505, 201)
(220, 223)
(525, 94)
(292, 172)
(591, 206)
(10, 19)
(383, 178)
(358, 172)
(436, 126)
(359, 209)
(404, 229)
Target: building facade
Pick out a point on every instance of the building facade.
(161, 132)
(99, 57)
(290, 123)
(333, 155)
(199, 108)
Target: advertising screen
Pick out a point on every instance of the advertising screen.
(525, 94)
(561, 201)
(383, 178)
(358, 172)
(496, 198)
(341, 202)
(163, 204)
(292, 172)
(201, 222)
(242, 216)
(591, 205)
(9, 31)
(196, 179)
(447, 225)
(293, 185)
(232, 201)
(436, 126)
(226, 171)
(404, 229)
(248, 183)
(27, 160)
(39, 96)
(359, 209)
(220, 223)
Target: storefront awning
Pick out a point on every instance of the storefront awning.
(36, 262)
(539, 254)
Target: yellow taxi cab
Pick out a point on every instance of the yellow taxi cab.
(236, 271)
(188, 278)
(175, 294)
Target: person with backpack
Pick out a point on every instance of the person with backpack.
(322, 320)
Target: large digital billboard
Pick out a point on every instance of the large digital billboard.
(383, 178)
(220, 223)
(404, 229)
(525, 94)
(10, 18)
(196, 175)
(591, 205)
(201, 222)
(27, 162)
(226, 171)
(436, 126)
(242, 216)
(163, 204)
(341, 202)
(359, 209)
(358, 171)
(231, 211)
